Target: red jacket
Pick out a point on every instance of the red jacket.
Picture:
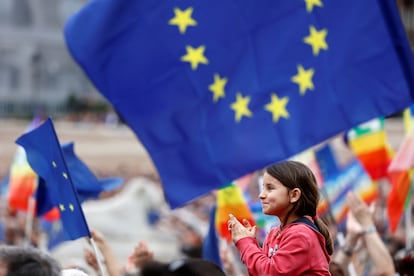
(297, 250)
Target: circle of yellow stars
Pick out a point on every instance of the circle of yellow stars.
(62, 207)
(195, 56)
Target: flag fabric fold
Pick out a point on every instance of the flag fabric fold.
(45, 156)
(218, 89)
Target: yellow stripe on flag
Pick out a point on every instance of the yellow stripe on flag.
(368, 142)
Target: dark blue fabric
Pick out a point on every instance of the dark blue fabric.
(326, 161)
(307, 222)
(134, 56)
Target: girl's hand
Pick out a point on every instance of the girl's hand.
(238, 230)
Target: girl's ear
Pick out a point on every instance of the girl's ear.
(295, 195)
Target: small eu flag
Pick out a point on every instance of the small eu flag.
(45, 156)
(217, 89)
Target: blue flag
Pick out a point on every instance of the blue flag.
(45, 156)
(217, 89)
(86, 183)
(211, 246)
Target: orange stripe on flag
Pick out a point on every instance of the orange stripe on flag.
(375, 162)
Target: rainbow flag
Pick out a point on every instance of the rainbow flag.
(230, 200)
(23, 180)
(400, 174)
(369, 143)
(22, 183)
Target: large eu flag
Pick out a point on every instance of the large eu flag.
(45, 156)
(217, 89)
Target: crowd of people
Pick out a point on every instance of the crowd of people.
(301, 244)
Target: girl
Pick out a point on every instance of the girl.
(301, 244)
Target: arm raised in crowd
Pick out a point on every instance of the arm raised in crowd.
(360, 226)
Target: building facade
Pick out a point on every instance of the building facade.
(36, 70)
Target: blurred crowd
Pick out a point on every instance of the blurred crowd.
(356, 252)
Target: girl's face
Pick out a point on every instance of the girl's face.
(274, 197)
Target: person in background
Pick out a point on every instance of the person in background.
(301, 244)
(404, 262)
(361, 230)
(140, 256)
(27, 261)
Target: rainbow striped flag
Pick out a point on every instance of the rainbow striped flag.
(22, 183)
(23, 180)
(230, 200)
(400, 174)
(369, 143)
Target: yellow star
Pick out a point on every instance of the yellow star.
(195, 56)
(65, 175)
(183, 19)
(240, 107)
(217, 87)
(311, 3)
(304, 79)
(277, 107)
(71, 207)
(54, 164)
(316, 39)
(62, 207)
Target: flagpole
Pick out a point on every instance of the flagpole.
(29, 222)
(408, 218)
(98, 260)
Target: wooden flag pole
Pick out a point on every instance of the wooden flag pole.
(29, 222)
(98, 260)
(408, 226)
